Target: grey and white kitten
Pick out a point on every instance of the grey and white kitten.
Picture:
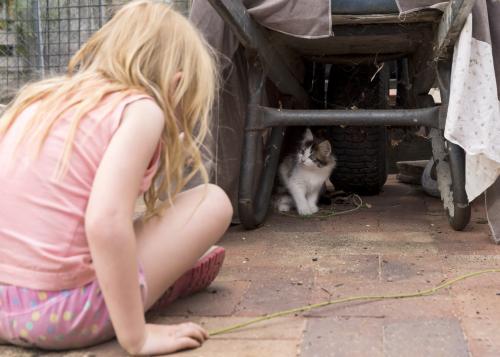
(303, 174)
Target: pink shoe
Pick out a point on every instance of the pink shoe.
(195, 279)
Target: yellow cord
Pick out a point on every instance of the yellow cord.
(427, 292)
(323, 213)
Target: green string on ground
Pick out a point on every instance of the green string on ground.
(427, 292)
(323, 213)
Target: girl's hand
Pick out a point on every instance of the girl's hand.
(163, 339)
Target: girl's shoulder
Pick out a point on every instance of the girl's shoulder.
(145, 108)
(138, 105)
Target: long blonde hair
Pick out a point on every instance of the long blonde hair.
(139, 50)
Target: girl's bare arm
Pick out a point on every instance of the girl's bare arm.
(108, 220)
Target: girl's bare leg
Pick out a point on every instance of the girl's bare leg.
(170, 245)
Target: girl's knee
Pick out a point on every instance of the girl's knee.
(220, 203)
(215, 203)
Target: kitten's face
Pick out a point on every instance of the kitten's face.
(305, 155)
(313, 153)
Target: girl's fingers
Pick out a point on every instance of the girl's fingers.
(196, 333)
(193, 331)
(205, 333)
(183, 343)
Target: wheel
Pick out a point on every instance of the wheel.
(460, 218)
(360, 153)
(429, 181)
(360, 150)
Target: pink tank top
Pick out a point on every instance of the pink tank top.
(42, 236)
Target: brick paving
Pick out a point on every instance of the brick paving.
(401, 244)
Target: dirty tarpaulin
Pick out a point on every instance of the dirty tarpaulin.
(477, 56)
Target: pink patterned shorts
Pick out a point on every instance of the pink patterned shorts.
(56, 319)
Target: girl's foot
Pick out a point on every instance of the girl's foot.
(195, 279)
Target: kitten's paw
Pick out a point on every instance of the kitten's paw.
(284, 203)
(284, 207)
(304, 211)
(314, 209)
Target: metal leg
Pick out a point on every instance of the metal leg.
(254, 201)
(450, 160)
(462, 209)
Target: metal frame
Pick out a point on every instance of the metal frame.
(38, 37)
(270, 63)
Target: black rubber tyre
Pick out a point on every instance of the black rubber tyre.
(360, 151)
(460, 219)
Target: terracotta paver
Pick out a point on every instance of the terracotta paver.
(245, 348)
(401, 244)
(482, 335)
(434, 337)
(206, 303)
(343, 337)
(283, 328)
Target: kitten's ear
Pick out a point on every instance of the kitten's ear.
(308, 135)
(325, 148)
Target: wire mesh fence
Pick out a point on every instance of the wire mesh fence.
(38, 37)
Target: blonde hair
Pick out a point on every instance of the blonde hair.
(139, 50)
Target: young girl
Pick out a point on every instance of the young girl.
(75, 152)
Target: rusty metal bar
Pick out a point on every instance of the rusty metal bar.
(272, 117)
(451, 24)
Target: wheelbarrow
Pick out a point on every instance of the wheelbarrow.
(365, 33)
